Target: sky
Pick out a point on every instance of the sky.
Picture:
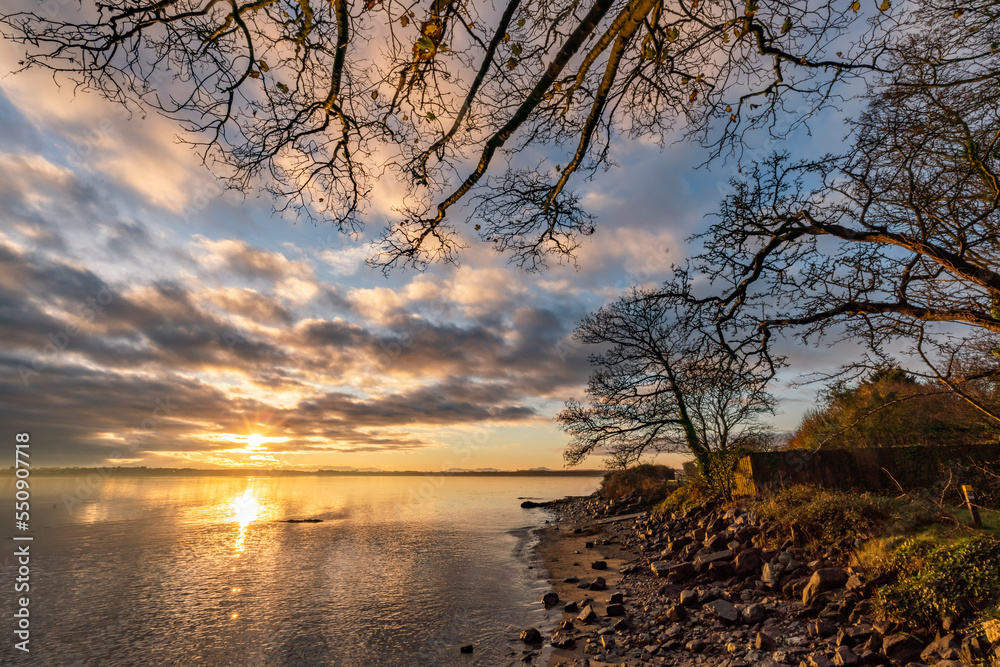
(147, 317)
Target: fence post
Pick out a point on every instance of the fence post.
(970, 495)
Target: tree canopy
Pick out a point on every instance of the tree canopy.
(313, 102)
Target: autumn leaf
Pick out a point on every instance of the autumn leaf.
(374, 94)
(282, 87)
(884, 6)
(430, 115)
(520, 23)
(404, 20)
(693, 96)
(478, 227)
(263, 66)
(672, 34)
(254, 74)
(855, 6)
(516, 49)
(786, 26)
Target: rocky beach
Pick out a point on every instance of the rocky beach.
(699, 588)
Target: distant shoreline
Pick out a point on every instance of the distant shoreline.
(259, 472)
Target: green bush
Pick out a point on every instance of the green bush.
(683, 498)
(651, 482)
(934, 579)
(814, 515)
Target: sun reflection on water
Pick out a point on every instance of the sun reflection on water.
(246, 509)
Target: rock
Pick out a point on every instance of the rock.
(901, 649)
(467, 649)
(818, 660)
(822, 580)
(615, 610)
(702, 562)
(720, 570)
(571, 580)
(764, 642)
(821, 628)
(562, 640)
(531, 636)
(571, 607)
(696, 646)
(661, 568)
(747, 562)
(528, 504)
(676, 613)
(617, 598)
(688, 598)
(598, 584)
(723, 610)
(992, 630)
(681, 572)
(772, 574)
(599, 565)
(587, 615)
(845, 656)
(943, 648)
(550, 600)
(753, 614)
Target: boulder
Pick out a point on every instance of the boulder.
(901, 649)
(562, 640)
(771, 574)
(845, 656)
(615, 610)
(723, 611)
(531, 636)
(688, 598)
(550, 600)
(822, 580)
(598, 584)
(764, 642)
(587, 615)
(571, 608)
(753, 614)
(599, 565)
(747, 562)
(818, 660)
(696, 646)
(702, 562)
(943, 648)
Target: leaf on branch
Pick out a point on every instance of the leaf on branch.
(884, 7)
(404, 20)
(786, 26)
(673, 34)
(254, 74)
(282, 87)
(855, 6)
(693, 96)
(263, 66)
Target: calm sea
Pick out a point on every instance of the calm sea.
(201, 570)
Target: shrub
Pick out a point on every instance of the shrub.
(683, 498)
(814, 515)
(934, 579)
(651, 482)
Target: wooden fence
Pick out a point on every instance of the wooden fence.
(872, 468)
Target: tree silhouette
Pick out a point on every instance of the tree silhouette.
(314, 101)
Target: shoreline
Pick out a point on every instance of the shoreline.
(699, 588)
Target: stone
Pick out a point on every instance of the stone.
(571, 580)
(550, 600)
(901, 649)
(688, 598)
(702, 562)
(598, 584)
(562, 640)
(720, 570)
(599, 565)
(821, 628)
(747, 562)
(945, 647)
(615, 610)
(771, 575)
(587, 615)
(845, 656)
(696, 646)
(617, 598)
(992, 630)
(753, 614)
(661, 568)
(681, 572)
(531, 636)
(467, 648)
(676, 613)
(571, 607)
(764, 642)
(818, 660)
(822, 580)
(723, 610)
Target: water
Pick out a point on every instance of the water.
(200, 570)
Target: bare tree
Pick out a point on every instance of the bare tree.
(664, 384)
(315, 101)
(898, 243)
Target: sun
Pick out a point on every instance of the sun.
(255, 441)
